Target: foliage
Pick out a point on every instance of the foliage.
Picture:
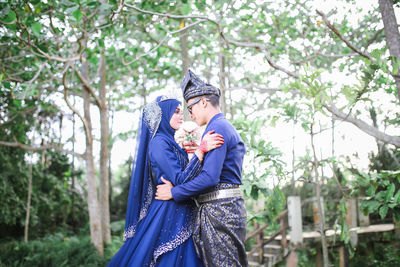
(263, 155)
(13, 171)
(55, 204)
(381, 252)
(119, 199)
(52, 250)
(377, 253)
(382, 191)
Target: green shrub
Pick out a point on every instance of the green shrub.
(54, 250)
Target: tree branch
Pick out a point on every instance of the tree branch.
(156, 41)
(114, 14)
(45, 55)
(169, 15)
(270, 61)
(299, 62)
(341, 37)
(163, 40)
(40, 148)
(85, 124)
(373, 39)
(393, 140)
(28, 110)
(87, 86)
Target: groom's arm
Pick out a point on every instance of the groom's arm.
(208, 177)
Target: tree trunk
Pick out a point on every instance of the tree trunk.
(293, 158)
(109, 158)
(222, 76)
(185, 63)
(73, 173)
(392, 35)
(319, 206)
(93, 203)
(28, 204)
(104, 154)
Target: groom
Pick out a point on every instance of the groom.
(221, 221)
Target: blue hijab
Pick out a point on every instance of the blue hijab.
(155, 119)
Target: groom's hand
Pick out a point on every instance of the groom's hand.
(164, 190)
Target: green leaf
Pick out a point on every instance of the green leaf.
(389, 193)
(93, 3)
(185, 9)
(383, 211)
(370, 205)
(101, 43)
(395, 62)
(371, 191)
(396, 198)
(200, 6)
(17, 102)
(11, 17)
(71, 9)
(36, 27)
(77, 14)
(4, 12)
(254, 192)
(344, 234)
(105, 7)
(380, 196)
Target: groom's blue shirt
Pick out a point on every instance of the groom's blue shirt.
(221, 165)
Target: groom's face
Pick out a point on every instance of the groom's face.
(196, 106)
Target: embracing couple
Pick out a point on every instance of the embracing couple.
(181, 212)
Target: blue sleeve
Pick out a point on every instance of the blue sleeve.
(166, 163)
(209, 176)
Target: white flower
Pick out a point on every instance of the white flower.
(188, 132)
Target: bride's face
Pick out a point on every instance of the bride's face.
(177, 119)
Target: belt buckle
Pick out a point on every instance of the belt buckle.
(196, 201)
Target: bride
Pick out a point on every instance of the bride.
(158, 233)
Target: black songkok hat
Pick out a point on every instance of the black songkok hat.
(192, 86)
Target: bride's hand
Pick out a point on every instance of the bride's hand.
(190, 147)
(211, 141)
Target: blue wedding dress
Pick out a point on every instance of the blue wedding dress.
(158, 233)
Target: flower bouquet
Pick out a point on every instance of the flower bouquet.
(188, 136)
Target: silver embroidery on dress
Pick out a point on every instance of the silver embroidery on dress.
(182, 235)
(128, 233)
(152, 114)
(147, 202)
(152, 117)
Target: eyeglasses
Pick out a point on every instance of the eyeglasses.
(189, 107)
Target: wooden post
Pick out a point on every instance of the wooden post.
(292, 259)
(296, 229)
(317, 220)
(351, 220)
(363, 220)
(283, 227)
(259, 205)
(319, 262)
(343, 257)
(259, 240)
(396, 228)
(295, 220)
